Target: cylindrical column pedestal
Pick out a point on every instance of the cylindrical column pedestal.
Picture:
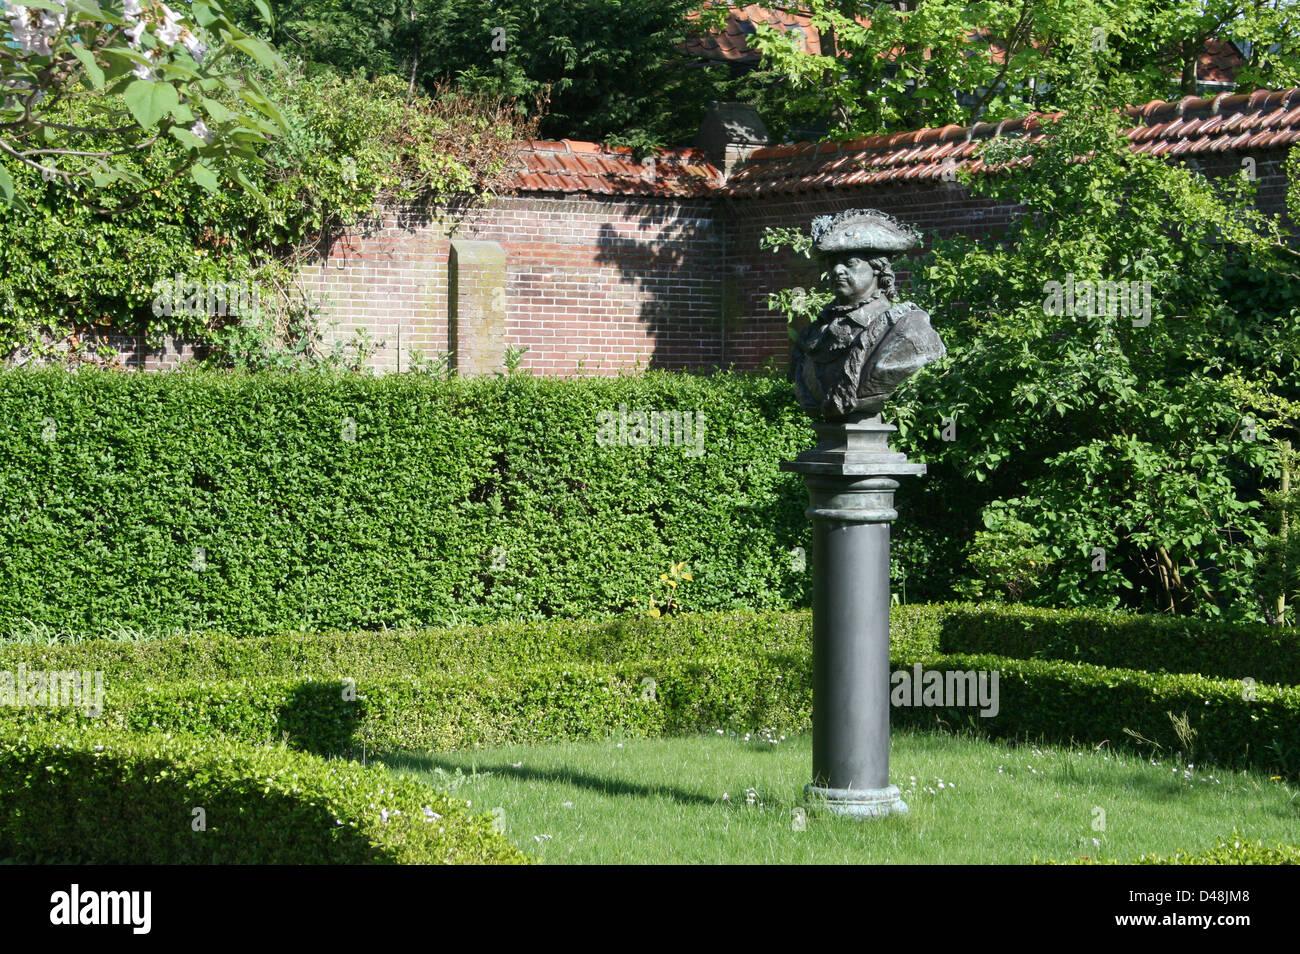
(851, 504)
(850, 560)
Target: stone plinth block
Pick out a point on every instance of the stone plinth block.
(476, 307)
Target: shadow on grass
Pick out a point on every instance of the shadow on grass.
(405, 761)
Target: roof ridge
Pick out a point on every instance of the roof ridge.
(1259, 119)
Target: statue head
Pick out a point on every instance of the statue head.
(856, 276)
(856, 244)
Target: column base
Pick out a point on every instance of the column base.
(856, 803)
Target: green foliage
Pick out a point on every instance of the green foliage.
(1074, 676)
(437, 711)
(1008, 557)
(86, 796)
(1117, 442)
(93, 88)
(1120, 640)
(1264, 653)
(589, 69)
(1235, 851)
(951, 62)
(254, 503)
(349, 146)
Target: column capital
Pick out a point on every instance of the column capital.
(855, 447)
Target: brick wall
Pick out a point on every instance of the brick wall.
(594, 286)
(609, 284)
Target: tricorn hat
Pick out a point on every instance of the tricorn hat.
(865, 230)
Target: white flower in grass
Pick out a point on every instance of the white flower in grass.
(201, 130)
(131, 9)
(142, 71)
(133, 35)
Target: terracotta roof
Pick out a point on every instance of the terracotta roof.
(1259, 120)
(572, 166)
(1219, 62)
(732, 43)
(1266, 119)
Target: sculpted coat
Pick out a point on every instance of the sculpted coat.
(853, 356)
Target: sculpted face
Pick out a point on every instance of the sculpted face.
(852, 278)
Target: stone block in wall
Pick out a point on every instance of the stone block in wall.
(476, 306)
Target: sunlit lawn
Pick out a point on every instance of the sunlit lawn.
(723, 799)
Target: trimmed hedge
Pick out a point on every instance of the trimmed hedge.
(1237, 851)
(1063, 702)
(250, 504)
(536, 704)
(1124, 640)
(1041, 699)
(471, 650)
(75, 796)
(1152, 643)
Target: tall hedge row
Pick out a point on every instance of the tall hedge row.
(251, 503)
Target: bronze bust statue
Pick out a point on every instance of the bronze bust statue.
(849, 361)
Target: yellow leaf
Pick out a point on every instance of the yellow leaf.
(663, 576)
(687, 576)
(654, 612)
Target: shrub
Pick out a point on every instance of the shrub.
(1068, 703)
(534, 704)
(255, 503)
(467, 649)
(1229, 851)
(1156, 643)
(1123, 640)
(93, 797)
(1054, 701)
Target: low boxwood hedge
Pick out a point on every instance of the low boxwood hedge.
(472, 650)
(1042, 699)
(90, 796)
(1065, 702)
(1122, 640)
(456, 710)
(1235, 850)
(1153, 643)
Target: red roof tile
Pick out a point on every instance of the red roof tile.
(570, 166)
(1264, 119)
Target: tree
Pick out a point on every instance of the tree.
(1100, 433)
(611, 70)
(1118, 434)
(92, 85)
(940, 61)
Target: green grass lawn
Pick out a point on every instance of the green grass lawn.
(728, 799)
